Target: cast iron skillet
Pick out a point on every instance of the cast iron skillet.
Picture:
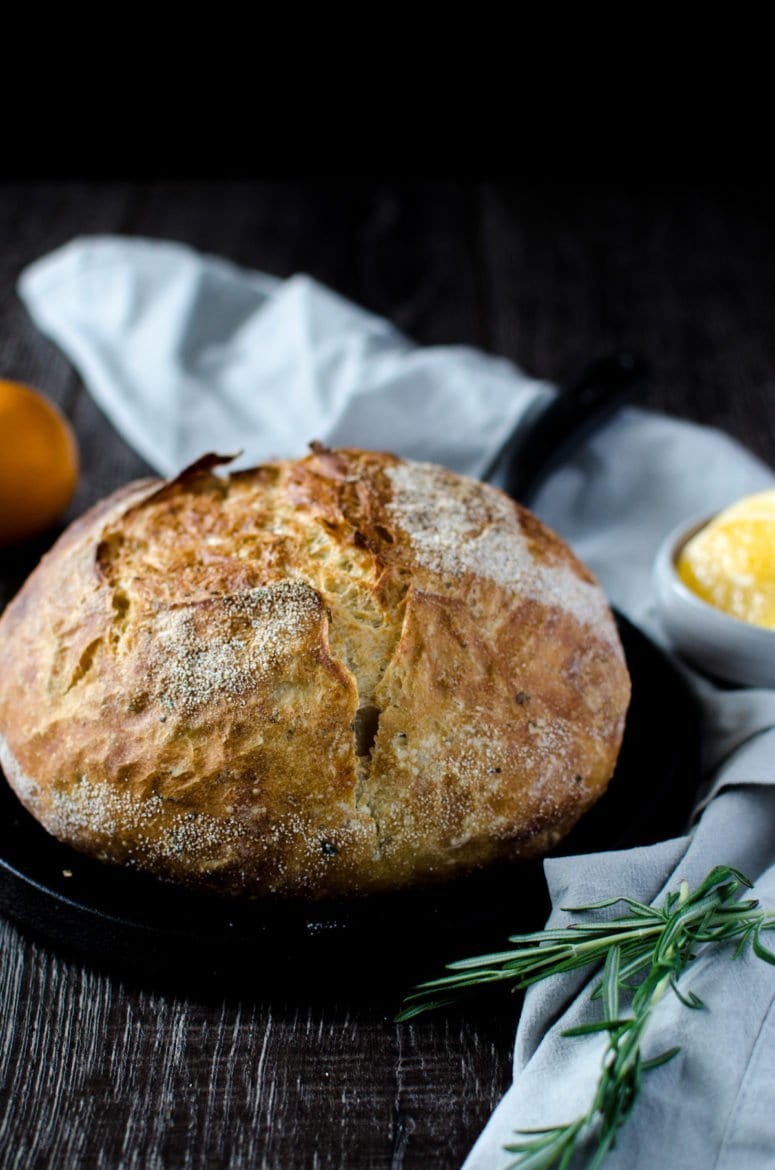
(146, 927)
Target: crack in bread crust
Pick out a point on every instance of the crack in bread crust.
(336, 675)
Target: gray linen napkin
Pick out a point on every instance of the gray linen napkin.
(188, 353)
(185, 352)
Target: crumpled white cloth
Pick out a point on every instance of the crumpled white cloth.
(187, 353)
(183, 351)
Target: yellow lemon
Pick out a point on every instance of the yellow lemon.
(730, 563)
(38, 462)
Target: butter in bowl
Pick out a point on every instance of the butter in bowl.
(715, 585)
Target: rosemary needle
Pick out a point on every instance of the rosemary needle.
(644, 953)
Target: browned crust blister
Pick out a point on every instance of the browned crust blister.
(342, 674)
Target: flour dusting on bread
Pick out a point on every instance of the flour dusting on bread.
(457, 525)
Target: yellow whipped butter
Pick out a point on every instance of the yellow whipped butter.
(730, 563)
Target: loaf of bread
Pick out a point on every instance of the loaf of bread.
(343, 674)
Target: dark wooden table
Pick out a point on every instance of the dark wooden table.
(104, 1070)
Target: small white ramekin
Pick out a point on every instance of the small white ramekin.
(719, 644)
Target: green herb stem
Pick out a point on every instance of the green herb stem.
(644, 953)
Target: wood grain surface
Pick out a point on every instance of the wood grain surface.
(99, 1071)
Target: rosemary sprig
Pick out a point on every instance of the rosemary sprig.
(644, 953)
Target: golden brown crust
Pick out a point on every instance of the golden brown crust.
(342, 674)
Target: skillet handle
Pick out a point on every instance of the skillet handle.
(542, 443)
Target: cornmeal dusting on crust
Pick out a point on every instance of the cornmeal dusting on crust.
(246, 635)
(457, 526)
(102, 810)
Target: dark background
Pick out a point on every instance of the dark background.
(99, 1070)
